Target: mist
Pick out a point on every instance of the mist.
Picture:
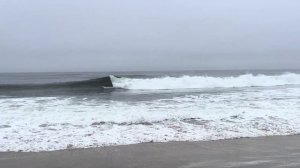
(133, 35)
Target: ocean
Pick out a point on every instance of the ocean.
(54, 111)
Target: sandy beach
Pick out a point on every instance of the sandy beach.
(262, 152)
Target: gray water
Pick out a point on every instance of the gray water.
(51, 111)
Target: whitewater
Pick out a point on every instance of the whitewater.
(157, 108)
(200, 82)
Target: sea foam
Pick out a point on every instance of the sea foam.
(54, 123)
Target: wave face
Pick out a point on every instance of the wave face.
(98, 83)
(200, 82)
(84, 87)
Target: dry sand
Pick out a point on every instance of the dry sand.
(263, 152)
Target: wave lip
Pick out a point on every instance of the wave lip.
(200, 82)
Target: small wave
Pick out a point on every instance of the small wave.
(199, 82)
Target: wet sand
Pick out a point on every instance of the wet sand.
(263, 152)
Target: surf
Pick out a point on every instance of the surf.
(202, 82)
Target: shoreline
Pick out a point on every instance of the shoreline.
(270, 151)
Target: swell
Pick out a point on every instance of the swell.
(161, 83)
(99, 83)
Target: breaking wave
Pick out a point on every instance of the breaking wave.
(199, 82)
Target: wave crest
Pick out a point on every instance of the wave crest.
(199, 82)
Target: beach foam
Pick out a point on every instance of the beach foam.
(53, 123)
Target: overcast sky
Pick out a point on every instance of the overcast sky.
(120, 35)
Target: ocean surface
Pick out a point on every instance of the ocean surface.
(53, 111)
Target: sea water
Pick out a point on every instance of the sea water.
(53, 111)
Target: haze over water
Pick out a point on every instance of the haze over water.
(90, 106)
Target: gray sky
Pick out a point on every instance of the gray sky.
(114, 35)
